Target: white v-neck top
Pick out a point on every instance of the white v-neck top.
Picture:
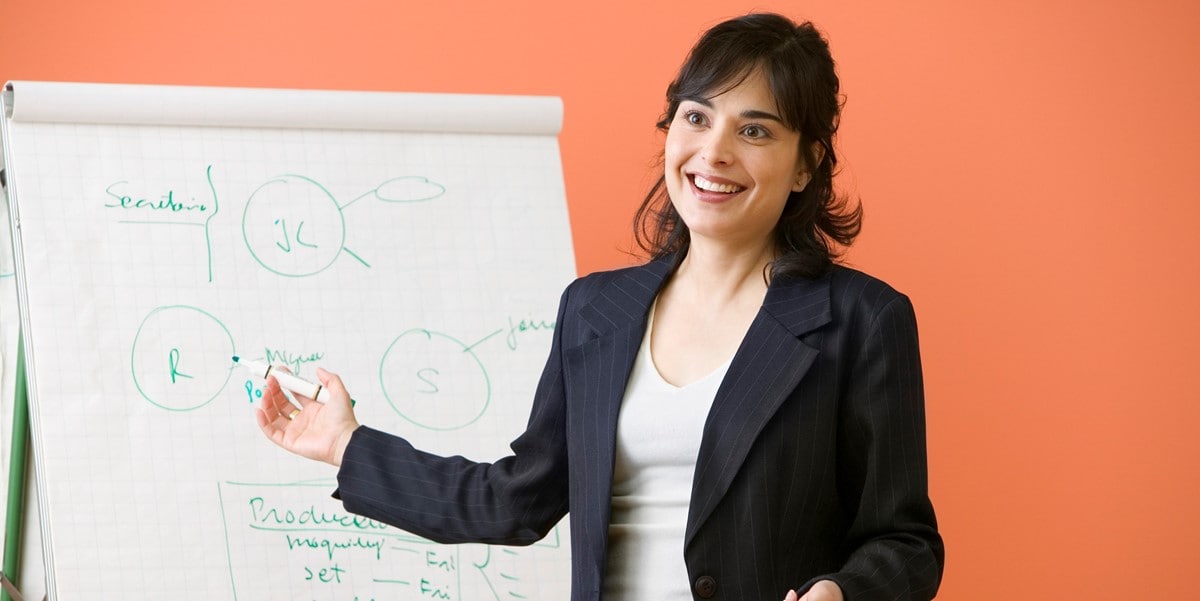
(658, 438)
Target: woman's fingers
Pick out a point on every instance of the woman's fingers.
(275, 401)
(300, 398)
(333, 383)
(275, 413)
(269, 422)
(271, 397)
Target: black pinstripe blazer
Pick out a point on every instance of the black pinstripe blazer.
(812, 463)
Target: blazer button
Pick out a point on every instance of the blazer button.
(705, 587)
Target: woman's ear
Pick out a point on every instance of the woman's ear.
(805, 174)
(818, 154)
(802, 180)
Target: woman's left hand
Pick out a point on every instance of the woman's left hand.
(824, 590)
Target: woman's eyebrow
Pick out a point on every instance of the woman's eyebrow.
(746, 114)
(701, 100)
(756, 114)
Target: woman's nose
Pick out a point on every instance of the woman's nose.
(717, 147)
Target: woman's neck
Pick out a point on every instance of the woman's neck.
(723, 274)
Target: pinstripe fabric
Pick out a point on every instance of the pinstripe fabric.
(812, 465)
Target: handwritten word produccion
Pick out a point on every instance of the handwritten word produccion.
(268, 516)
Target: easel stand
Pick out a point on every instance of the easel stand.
(16, 484)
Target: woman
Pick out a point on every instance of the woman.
(739, 418)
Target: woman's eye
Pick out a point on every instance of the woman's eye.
(694, 118)
(754, 131)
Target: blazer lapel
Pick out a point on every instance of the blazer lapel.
(598, 371)
(624, 302)
(766, 368)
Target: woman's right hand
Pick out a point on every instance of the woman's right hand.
(317, 430)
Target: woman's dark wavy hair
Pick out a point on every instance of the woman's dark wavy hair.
(799, 70)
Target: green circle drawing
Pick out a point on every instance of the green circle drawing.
(426, 369)
(173, 378)
(409, 188)
(293, 226)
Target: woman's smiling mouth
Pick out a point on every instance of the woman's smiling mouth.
(710, 186)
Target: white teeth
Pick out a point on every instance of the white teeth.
(704, 184)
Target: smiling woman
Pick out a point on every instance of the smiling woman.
(731, 164)
(749, 414)
(787, 81)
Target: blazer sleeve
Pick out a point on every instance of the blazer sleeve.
(515, 500)
(895, 551)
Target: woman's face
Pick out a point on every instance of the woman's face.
(731, 163)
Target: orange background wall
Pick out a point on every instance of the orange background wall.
(1029, 171)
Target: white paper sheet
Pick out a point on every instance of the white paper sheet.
(162, 231)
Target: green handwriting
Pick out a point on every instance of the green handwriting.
(166, 202)
(312, 542)
(525, 325)
(308, 517)
(173, 361)
(421, 375)
(428, 589)
(327, 575)
(434, 559)
(291, 360)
